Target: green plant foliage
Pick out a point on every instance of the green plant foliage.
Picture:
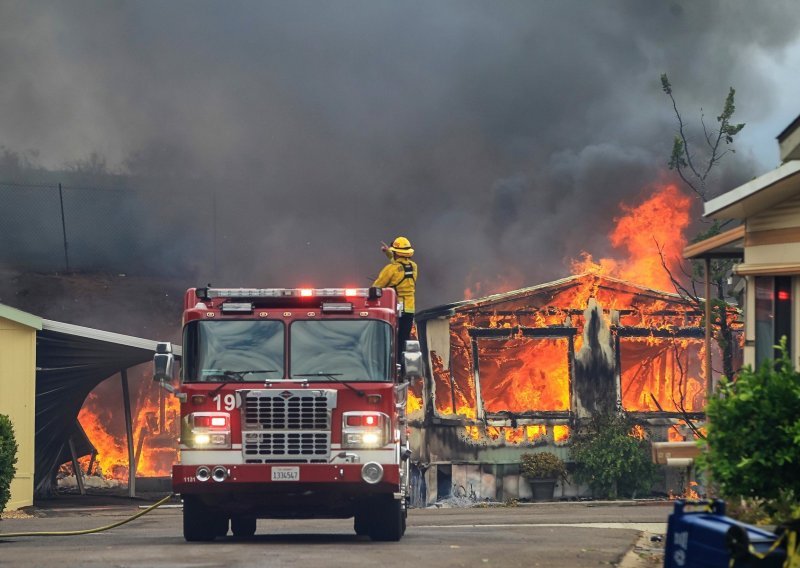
(8, 459)
(753, 441)
(542, 465)
(612, 461)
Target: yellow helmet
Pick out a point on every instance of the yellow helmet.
(401, 246)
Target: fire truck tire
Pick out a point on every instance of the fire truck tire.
(243, 527)
(198, 522)
(222, 526)
(388, 520)
(361, 523)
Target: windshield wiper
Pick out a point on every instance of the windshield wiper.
(331, 376)
(237, 376)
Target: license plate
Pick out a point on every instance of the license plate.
(285, 473)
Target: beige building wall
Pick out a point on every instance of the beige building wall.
(17, 398)
(772, 238)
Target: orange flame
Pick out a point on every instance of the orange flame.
(154, 442)
(656, 224)
(521, 373)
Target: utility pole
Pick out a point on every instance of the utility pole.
(63, 226)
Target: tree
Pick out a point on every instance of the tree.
(694, 168)
(8, 459)
(610, 459)
(695, 164)
(753, 441)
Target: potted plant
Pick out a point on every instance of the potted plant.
(542, 470)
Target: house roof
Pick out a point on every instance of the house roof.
(789, 129)
(757, 195)
(20, 317)
(450, 309)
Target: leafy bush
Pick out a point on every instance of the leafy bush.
(8, 459)
(612, 461)
(753, 441)
(542, 465)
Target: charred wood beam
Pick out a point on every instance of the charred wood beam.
(509, 332)
(521, 417)
(644, 294)
(579, 311)
(641, 415)
(682, 332)
(492, 332)
(549, 331)
(476, 373)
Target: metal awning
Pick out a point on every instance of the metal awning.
(72, 360)
(729, 244)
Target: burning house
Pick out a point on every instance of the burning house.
(518, 370)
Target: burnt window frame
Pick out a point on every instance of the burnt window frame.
(622, 332)
(532, 416)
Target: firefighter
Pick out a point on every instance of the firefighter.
(400, 274)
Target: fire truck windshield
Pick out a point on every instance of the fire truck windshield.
(223, 351)
(350, 350)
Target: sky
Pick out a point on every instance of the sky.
(500, 137)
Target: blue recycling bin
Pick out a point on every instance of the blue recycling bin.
(699, 535)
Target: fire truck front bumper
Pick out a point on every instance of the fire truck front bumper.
(370, 477)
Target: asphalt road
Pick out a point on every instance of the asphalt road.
(549, 534)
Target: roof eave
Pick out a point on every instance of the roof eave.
(734, 203)
(714, 247)
(20, 317)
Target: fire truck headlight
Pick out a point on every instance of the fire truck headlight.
(371, 438)
(372, 472)
(209, 430)
(365, 430)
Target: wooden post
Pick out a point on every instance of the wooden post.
(707, 361)
(75, 467)
(126, 400)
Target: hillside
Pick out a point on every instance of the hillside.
(143, 307)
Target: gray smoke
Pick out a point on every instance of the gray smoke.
(499, 137)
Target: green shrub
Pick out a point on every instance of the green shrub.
(8, 459)
(542, 465)
(753, 440)
(612, 461)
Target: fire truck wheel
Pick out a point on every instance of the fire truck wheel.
(222, 526)
(198, 523)
(361, 522)
(243, 526)
(388, 520)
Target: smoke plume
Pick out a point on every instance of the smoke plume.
(278, 143)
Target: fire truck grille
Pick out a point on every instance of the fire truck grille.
(287, 425)
(261, 447)
(274, 409)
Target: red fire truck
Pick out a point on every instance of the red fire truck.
(292, 406)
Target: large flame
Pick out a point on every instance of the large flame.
(154, 433)
(523, 373)
(647, 233)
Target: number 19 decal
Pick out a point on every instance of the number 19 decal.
(228, 401)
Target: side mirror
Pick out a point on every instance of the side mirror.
(163, 362)
(412, 360)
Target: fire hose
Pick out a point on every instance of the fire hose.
(90, 531)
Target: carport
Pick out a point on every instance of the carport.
(71, 361)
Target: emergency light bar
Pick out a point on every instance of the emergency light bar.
(209, 293)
